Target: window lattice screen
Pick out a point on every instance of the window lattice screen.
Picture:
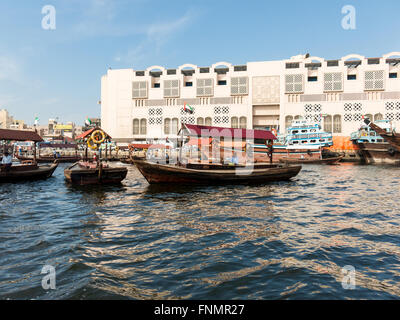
(357, 117)
(239, 85)
(205, 87)
(139, 89)
(374, 80)
(188, 120)
(390, 116)
(171, 88)
(221, 110)
(155, 112)
(294, 83)
(392, 105)
(348, 117)
(309, 108)
(333, 81)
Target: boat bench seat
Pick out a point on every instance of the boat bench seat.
(24, 167)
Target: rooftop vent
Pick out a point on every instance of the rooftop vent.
(240, 68)
(332, 63)
(374, 61)
(292, 65)
(394, 61)
(353, 63)
(221, 70)
(313, 65)
(155, 74)
(188, 72)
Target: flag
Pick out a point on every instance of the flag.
(188, 108)
(36, 121)
(88, 122)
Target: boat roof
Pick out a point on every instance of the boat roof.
(19, 135)
(148, 146)
(208, 131)
(86, 134)
(58, 145)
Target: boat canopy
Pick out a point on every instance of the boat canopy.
(207, 131)
(19, 135)
(147, 146)
(87, 134)
(58, 145)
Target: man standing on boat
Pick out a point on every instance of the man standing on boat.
(6, 161)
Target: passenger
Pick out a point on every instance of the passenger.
(6, 161)
(235, 159)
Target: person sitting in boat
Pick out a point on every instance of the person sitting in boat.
(6, 161)
(235, 159)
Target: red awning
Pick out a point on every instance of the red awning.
(19, 135)
(86, 134)
(139, 146)
(207, 131)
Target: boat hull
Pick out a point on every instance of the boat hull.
(170, 174)
(378, 153)
(80, 176)
(283, 153)
(330, 161)
(28, 173)
(49, 159)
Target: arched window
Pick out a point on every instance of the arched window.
(167, 126)
(143, 126)
(378, 116)
(200, 121)
(208, 121)
(136, 129)
(328, 123)
(175, 123)
(337, 123)
(243, 122)
(297, 117)
(234, 122)
(288, 121)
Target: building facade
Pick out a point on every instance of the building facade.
(149, 104)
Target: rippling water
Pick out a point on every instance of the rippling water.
(286, 240)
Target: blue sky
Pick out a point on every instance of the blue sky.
(56, 73)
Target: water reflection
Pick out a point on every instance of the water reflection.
(276, 241)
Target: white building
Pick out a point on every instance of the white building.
(140, 105)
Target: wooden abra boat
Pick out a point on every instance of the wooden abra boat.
(27, 172)
(214, 173)
(377, 142)
(49, 159)
(333, 160)
(84, 173)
